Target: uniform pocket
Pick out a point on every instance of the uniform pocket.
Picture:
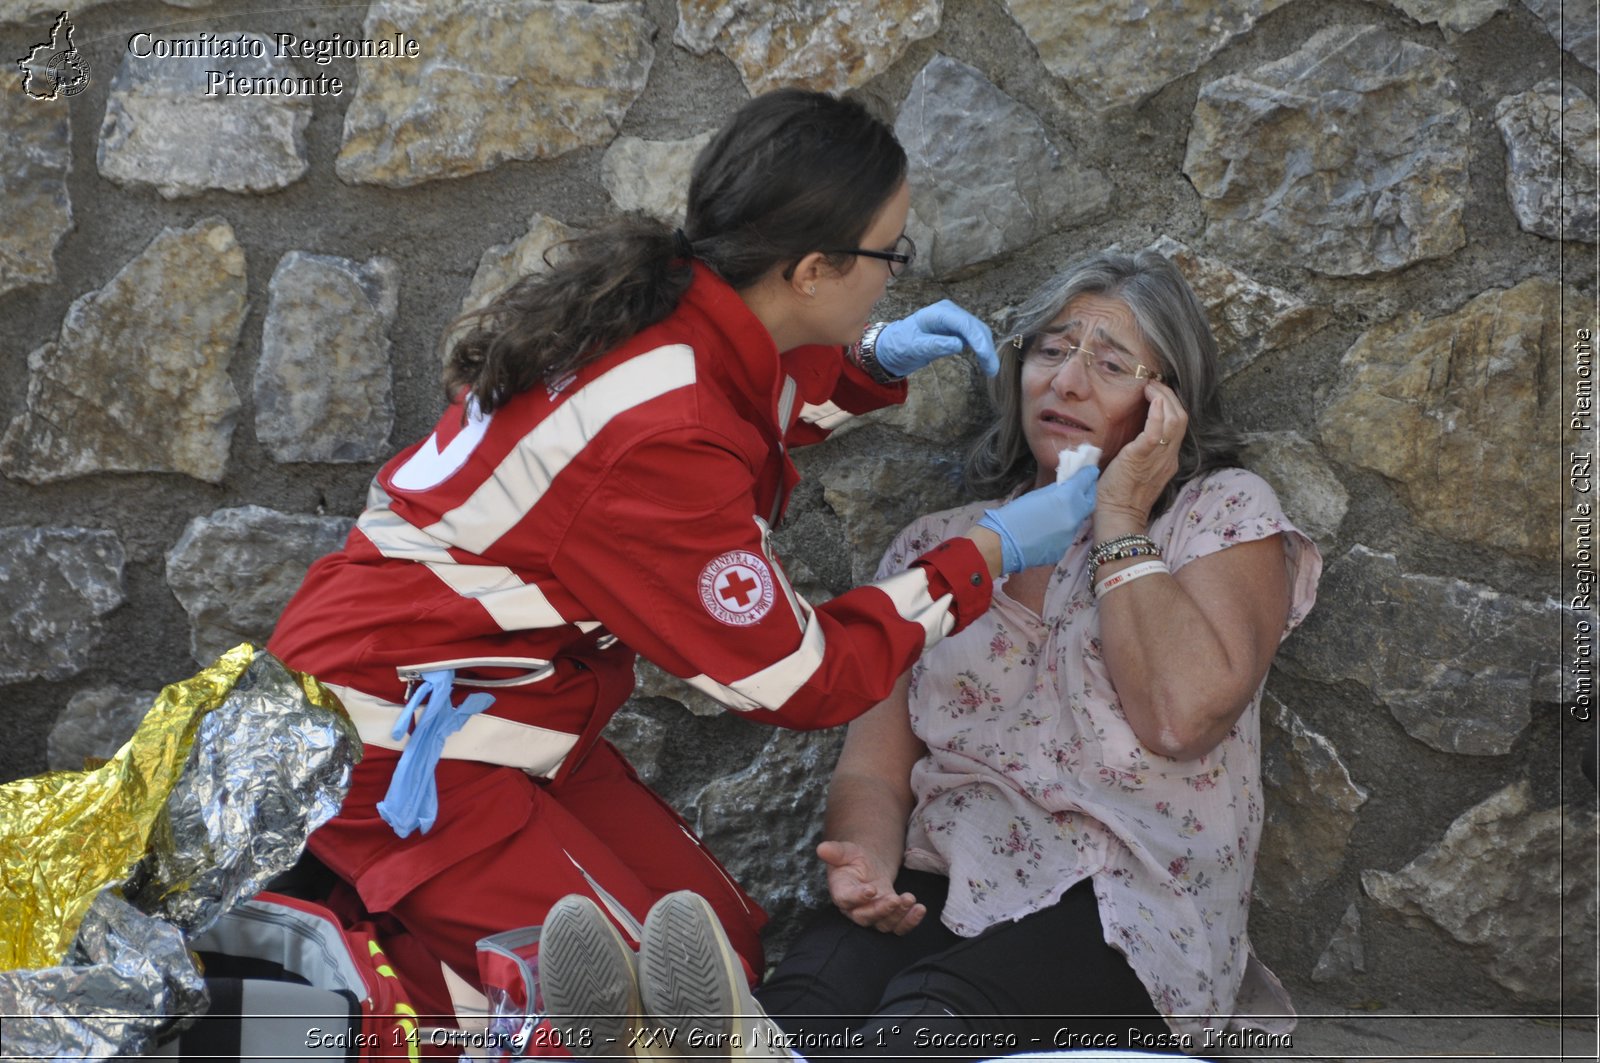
(472, 817)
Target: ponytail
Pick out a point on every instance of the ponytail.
(608, 286)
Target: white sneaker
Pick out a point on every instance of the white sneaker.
(691, 980)
(587, 980)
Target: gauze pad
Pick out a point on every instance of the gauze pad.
(1074, 458)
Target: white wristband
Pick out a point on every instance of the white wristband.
(1127, 575)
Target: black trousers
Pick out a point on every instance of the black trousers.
(1045, 982)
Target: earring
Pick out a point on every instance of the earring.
(811, 290)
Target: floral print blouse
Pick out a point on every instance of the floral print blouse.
(1034, 780)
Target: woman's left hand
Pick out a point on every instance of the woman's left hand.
(863, 890)
(1131, 484)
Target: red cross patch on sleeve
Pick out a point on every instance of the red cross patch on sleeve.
(737, 588)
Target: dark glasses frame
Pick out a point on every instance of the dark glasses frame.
(898, 260)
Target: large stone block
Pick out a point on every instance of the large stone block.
(1118, 53)
(1247, 317)
(497, 80)
(1344, 954)
(1552, 137)
(876, 495)
(1311, 805)
(968, 208)
(235, 570)
(1504, 882)
(1460, 412)
(1575, 24)
(941, 401)
(1348, 156)
(94, 725)
(55, 585)
(1312, 496)
(764, 820)
(163, 130)
(503, 265)
(1457, 664)
(829, 45)
(138, 380)
(651, 176)
(322, 388)
(35, 158)
(1452, 16)
(641, 739)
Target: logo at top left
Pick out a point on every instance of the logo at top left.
(55, 68)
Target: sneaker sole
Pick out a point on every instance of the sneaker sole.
(687, 970)
(586, 977)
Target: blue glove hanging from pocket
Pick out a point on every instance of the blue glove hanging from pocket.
(413, 798)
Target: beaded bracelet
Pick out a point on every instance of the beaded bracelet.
(1128, 575)
(1121, 540)
(1120, 549)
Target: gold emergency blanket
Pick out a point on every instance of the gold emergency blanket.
(66, 836)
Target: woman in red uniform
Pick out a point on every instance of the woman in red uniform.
(603, 484)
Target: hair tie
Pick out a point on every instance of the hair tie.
(681, 244)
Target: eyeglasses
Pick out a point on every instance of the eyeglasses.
(900, 259)
(1104, 367)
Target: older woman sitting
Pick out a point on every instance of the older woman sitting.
(1044, 838)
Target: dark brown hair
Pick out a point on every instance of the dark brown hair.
(793, 171)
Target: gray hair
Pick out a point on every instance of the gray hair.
(1170, 319)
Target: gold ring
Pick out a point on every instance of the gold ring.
(1162, 442)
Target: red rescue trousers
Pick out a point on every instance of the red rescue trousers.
(508, 846)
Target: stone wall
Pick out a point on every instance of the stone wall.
(222, 313)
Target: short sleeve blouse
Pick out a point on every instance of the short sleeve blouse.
(1034, 780)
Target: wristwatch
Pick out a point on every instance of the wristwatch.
(865, 355)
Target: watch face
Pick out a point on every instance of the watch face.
(865, 354)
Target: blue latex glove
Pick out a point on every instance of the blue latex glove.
(1037, 528)
(413, 797)
(931, 333)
